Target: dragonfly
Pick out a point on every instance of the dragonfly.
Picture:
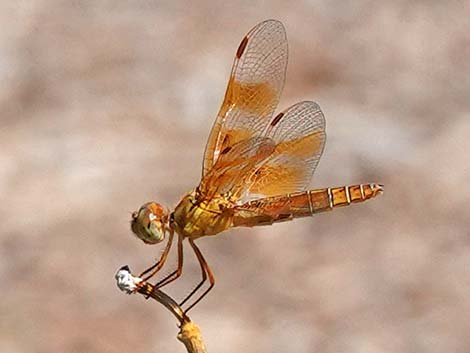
(256, 168)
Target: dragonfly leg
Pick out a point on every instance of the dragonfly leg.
(179, 270)
(206, 272)
(203, 273)
(157, 266)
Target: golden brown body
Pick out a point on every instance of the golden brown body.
(195, 217)
(256, 166)
(302, 204)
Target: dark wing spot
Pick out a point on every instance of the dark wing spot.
(242, 47)
(277, 119)
(226, 150)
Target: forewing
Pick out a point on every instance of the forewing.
(253, 90)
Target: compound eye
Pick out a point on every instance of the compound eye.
(150, 223)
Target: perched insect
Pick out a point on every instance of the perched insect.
(256, 168)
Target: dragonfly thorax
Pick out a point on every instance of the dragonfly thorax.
(195, 216)
(151, 223)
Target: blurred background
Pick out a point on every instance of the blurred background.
(105, 105)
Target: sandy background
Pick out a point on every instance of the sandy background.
(105, 105)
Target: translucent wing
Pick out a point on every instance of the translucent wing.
(253, 90)
(279, 163)
(299, 135)
(234, 164)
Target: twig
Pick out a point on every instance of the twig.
(189, 332)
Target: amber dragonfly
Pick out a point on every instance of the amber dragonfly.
(256, 167)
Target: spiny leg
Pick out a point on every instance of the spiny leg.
(203, 273)
(157, 266)
(179, 270)
(206, 272)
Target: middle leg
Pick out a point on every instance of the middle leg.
(206, 272)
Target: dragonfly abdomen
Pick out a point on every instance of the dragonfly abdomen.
(302, 204)
(326, 199)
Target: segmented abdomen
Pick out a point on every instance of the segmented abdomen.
(302, 204)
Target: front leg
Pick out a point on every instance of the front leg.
(179, 270)
(152, 271)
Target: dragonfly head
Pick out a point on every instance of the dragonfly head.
(151, 223)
